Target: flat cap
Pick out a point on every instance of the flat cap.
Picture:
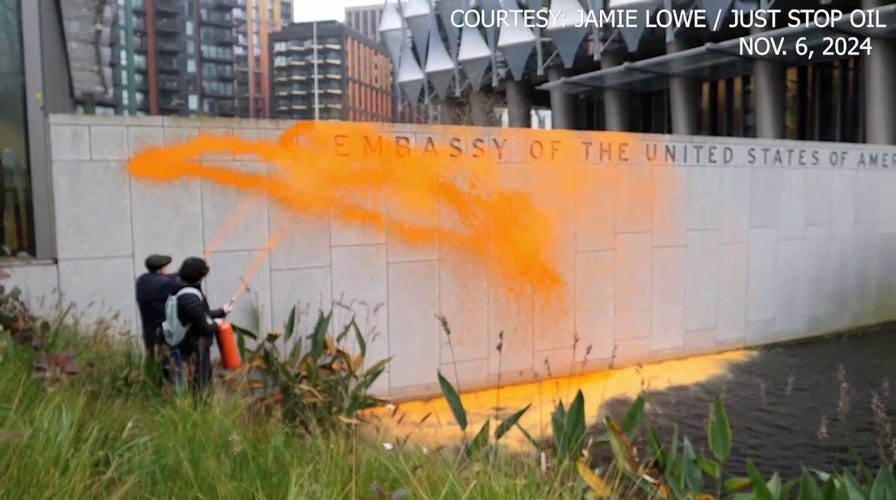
(155, 262)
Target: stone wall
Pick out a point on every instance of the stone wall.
(753, 242)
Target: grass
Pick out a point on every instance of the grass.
(107, 434)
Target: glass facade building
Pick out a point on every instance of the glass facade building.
(16, 235)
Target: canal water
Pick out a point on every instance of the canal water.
(821, 403)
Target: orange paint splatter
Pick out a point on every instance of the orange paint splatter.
(505, 197)
(256, 263)
(230, 225)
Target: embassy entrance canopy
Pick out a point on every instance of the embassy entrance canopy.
(716, 61)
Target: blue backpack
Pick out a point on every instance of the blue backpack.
(173, 330)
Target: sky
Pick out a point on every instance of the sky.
(320, 10)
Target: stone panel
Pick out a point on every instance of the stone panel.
(789, 317)
(632, 290)
(734, 205)
(886, 209)
(671, 211)
(702, 280)
(868, 189)
(463, 297)
(761, 277)
(819, 193)
(793, 205)
(305, 241)
(703, 198)
(510, 312)
(92, 207)
(554, 317)
(815, 280)
(594, 300)
(235, 220)
(69, 142)
(668, 289)
(732, 307)
(39, 284)
(140, 138)
(596, 194)
(886, 283)
(765, 198)
(172, 228)
(413, 326)
(359, 284)
(108, 143)
(634, 198)
(843, 203)
(308, 290)
(100, 288)
(228, 270)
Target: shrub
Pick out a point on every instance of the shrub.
(313, 384)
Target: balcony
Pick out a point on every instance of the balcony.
(168, 65)
(169, 47)
(226, 76)
(218, 20)
(171, 25)
(226, 5)
(169, 6)
(168, 84)
(215, 56)
(173, 103)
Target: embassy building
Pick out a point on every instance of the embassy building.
(801, 70)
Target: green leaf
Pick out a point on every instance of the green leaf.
(290, 327)
(633, 417)
(710, 467)
(241, 345)
(760, 489)
(531, 439)
(693, 475)
(829, 491)
(244, 332)
(622, 448)
(718, 431)
(852, 489)
(509, 422)
(884, 487)
(657, 448)
(319, 334)
(742, 496)
(344, 332)
(362, 344)
(774, 485)
(574, 427)
(809, 489)
(480, 440)
(736, 483)
(457, 408)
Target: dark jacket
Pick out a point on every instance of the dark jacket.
(153, 290)
(195, 312)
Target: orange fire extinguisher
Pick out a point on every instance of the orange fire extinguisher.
(230, 356)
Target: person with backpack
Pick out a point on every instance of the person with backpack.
(190, 327)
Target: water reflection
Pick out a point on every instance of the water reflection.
(807, 404)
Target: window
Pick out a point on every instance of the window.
(189, 28)
(193, 102)
(191, 47)
(191, 65)
(16, 229)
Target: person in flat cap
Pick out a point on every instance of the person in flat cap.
(153, 288)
